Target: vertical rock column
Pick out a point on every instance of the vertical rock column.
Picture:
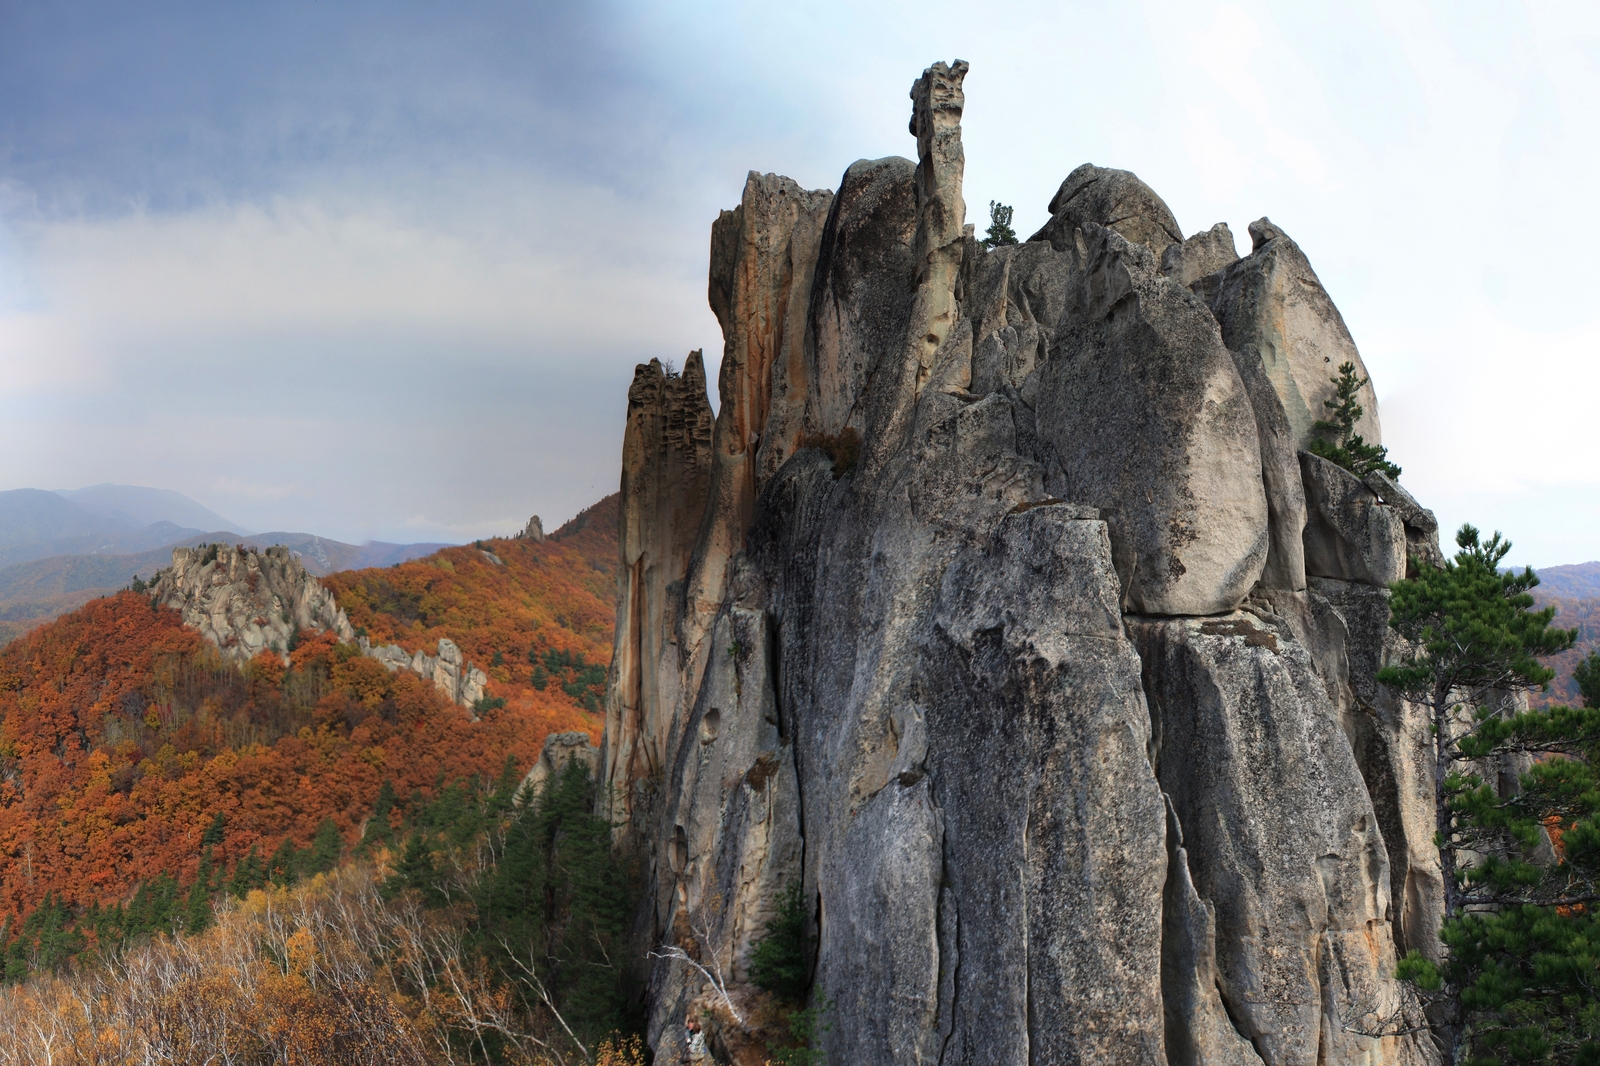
(763, 253)
(937, 248)
(666, 462)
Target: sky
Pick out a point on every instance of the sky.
(384, 270)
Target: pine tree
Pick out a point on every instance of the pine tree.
(1515, 947)
(284, 866)
(780, 960)
(215, 832)
(378, 832)
(326, 847)
(1337, 441)
(249, 874)
(1000, 231)
(197, 913)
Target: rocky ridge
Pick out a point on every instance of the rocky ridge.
(1000, 608)
(247, 600)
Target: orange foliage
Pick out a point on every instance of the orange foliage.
(123, 733)
(558, 595)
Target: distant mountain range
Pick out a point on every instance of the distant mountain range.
(1579, 581)
(58, 550)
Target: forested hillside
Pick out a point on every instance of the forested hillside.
(1582, 614)
(141, 775)
(536, 616)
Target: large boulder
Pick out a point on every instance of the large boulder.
(1147, 418)
(1351, 533)
(1282, 841)
(1054, 865)
(1273, 299)
(860, 300)
(1115, 199)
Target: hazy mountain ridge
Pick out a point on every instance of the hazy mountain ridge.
(58, 550)
(1574, 591)
(139, 505)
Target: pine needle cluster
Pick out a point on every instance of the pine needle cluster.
(1337, 441)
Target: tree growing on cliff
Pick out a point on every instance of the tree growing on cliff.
(1336, 439)
(1000, 231)
(1520, 862)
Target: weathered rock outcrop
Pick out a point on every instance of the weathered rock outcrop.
(1003, 648)
(247, 601)
(533, 531)
(1273, 299)
(451, 674)
(666, 470)
(559, 750)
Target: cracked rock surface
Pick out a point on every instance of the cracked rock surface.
(999, 610)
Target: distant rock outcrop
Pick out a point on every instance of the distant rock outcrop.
(449, 670)
(533, 531)
(246, 601)
(1002, 613)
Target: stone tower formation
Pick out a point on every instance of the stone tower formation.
(1000, 607)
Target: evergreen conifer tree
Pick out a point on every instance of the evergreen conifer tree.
(215, 832)
(1000, 231)
(326, 847)
(378, 832)
(1337, 441)
(197, 912)
(1522, 948)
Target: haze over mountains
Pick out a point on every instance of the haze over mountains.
(61, 549)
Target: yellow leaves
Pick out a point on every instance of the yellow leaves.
(301, 949)
(619, 1051)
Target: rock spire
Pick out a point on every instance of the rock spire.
(1000, 610)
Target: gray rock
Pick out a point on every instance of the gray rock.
(1285, 567)
(861, 300)
(559, 750)
(666, 467)
(1200, 256)
(1394, 749)
(1422, 528)
(762, 256)
(1056, 864)
(1198, 1029)
(921, 699)
(533, 531)
(247, 601)
(1274, 300)
(1016, 295)
(1282, 841)
(1351, 534)
(1148, 419)
(1116, 199)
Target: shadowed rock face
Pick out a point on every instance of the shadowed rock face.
(1028, 693)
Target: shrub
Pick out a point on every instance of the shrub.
(779, 961)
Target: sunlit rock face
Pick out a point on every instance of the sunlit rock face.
(982, 613)
(247, 601)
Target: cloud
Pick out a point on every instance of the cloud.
(402, 259)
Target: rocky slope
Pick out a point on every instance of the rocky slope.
(246, 601)
(999, 607)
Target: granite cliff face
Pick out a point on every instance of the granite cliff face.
(1000, 609)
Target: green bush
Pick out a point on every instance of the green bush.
(780, 960)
